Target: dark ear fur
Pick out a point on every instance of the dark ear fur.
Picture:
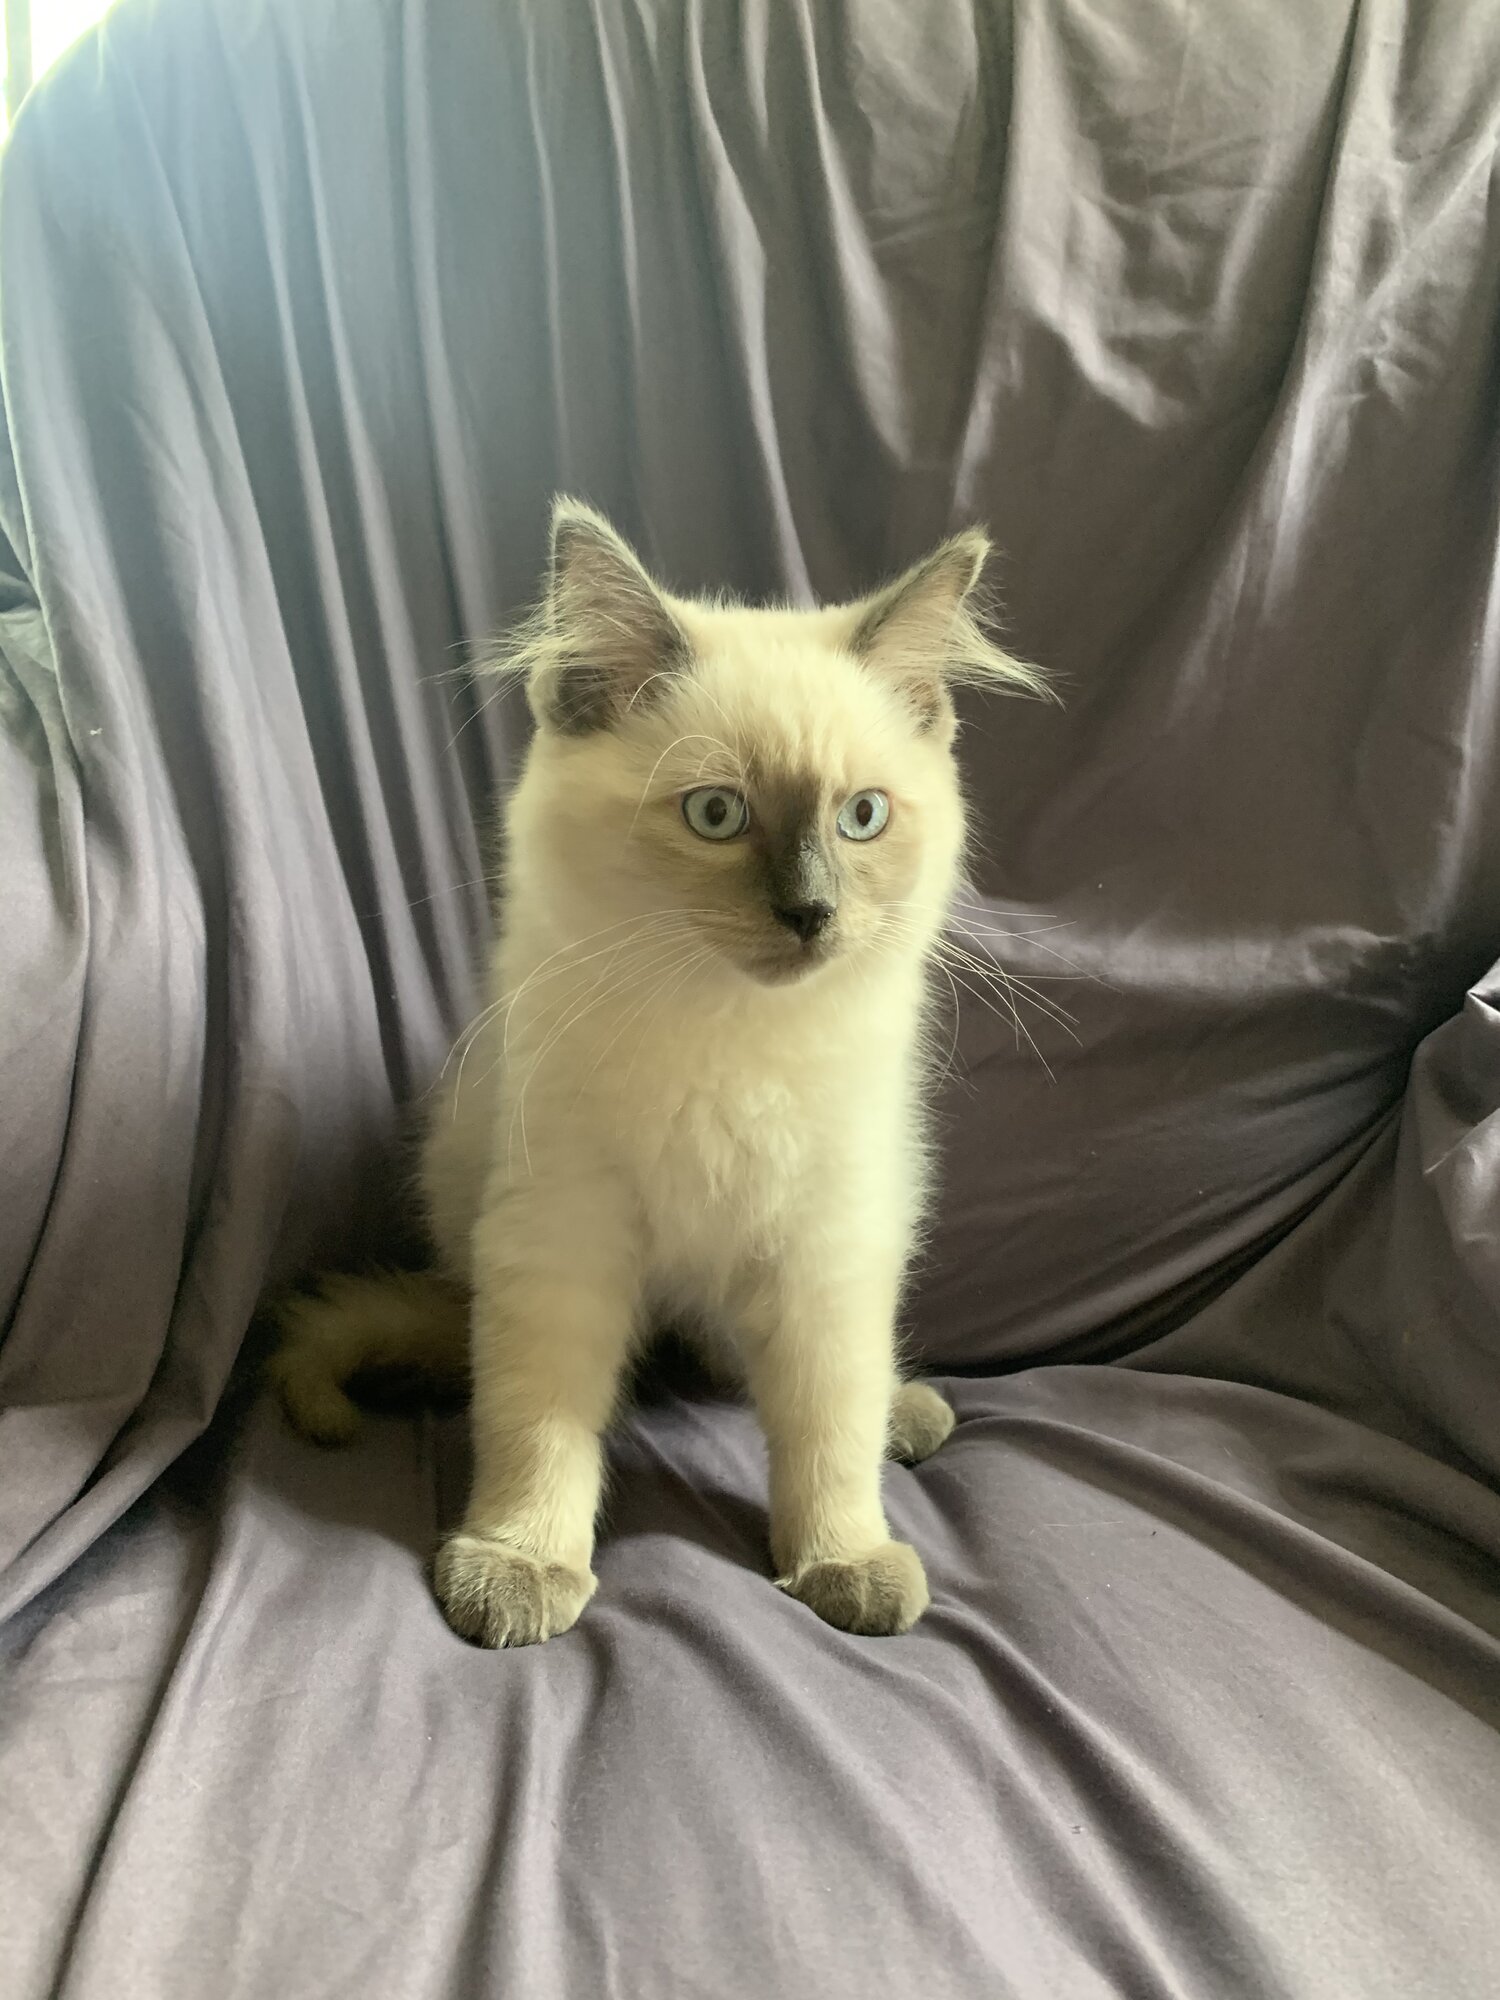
(610, 636)
(924, 632)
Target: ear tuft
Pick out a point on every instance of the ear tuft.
(926, 632)
(614, 636)
(604, 638)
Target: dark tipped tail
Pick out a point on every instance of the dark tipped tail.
(412, 1321)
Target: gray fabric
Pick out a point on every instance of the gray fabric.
(306, 307)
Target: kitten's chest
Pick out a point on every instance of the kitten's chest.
(730, 1159)
(738, 1132)
(720, 1154)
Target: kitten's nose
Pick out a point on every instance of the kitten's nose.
(806, 919)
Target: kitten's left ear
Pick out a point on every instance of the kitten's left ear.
(611, 634)
(924, 632)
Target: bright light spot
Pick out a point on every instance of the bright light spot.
(56, 23)
(55, 26)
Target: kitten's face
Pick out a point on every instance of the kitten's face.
(777, 801)
(772, 792)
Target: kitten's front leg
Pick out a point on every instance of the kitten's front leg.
(556, 1287)
(820, 1350)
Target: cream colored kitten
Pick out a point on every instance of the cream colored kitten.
(697, 1093)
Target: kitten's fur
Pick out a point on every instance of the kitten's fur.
(677, 1106)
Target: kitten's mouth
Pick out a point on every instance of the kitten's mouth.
(785, 964)
(775, 957)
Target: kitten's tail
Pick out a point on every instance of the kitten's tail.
(415, 1322)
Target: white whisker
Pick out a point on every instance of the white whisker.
(690, 736)
(508, 1000)
(591, 1001)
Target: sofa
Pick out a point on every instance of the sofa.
(307, 308)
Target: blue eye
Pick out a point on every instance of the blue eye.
(864, 816)
(714, 812)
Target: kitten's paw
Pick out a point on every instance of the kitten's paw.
(496, 1596)
(920, 1421)
(876, 1594)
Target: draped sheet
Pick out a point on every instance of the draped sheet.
(306, 309)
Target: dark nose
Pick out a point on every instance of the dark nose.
(806, 919)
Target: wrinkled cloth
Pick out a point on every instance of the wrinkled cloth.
(306, 309)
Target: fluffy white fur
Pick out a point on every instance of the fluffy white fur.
(675, 1106)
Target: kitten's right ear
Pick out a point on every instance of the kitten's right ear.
(611, 636)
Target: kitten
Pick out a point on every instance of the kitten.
(697, 1093)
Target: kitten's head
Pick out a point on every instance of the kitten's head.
(778, 787)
